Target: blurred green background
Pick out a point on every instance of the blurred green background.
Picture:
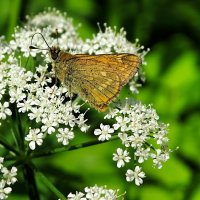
(172, 31)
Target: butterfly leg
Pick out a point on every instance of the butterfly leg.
(70, 94)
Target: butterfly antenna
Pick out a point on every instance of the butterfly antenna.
(33, 47)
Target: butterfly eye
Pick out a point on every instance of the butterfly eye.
(54, 54)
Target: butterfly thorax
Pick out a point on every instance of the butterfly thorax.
(61, 65)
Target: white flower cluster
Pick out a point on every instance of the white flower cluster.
(7, 178)
(46, 23)
(42, 103)
(139, 130)
(96, 192)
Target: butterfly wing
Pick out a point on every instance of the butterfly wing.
(124, 64)
(99, 78)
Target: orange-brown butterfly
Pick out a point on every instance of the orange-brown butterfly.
(98, 79)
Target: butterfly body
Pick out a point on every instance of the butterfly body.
(96, 78)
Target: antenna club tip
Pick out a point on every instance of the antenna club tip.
(32, 47)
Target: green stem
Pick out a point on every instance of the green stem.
(14, 136)
(46, 181)
(147, 144)
(20, 131)
(4, 143)
(29, 177)
(74, 147)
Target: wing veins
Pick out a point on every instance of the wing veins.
(94, 86)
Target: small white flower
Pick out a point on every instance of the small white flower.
(104, 133)
(121, 157)
(36, 113)
(159, 158)
(4, 110)
(9, 175)
(124, 138)
(161, 135)
(34, 137)
(136, 175)
(137, 140)
(81, 121)
(49, 124)
(112, 113)
(25, 105)
(4, 191)
(143, 154)
(16, 94)
(122, 123)
(64, 135)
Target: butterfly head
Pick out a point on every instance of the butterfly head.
(54, 52)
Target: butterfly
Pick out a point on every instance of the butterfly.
(98, 79)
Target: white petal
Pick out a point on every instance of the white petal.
(32, 145)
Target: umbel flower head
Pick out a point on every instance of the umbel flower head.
(29, 89)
